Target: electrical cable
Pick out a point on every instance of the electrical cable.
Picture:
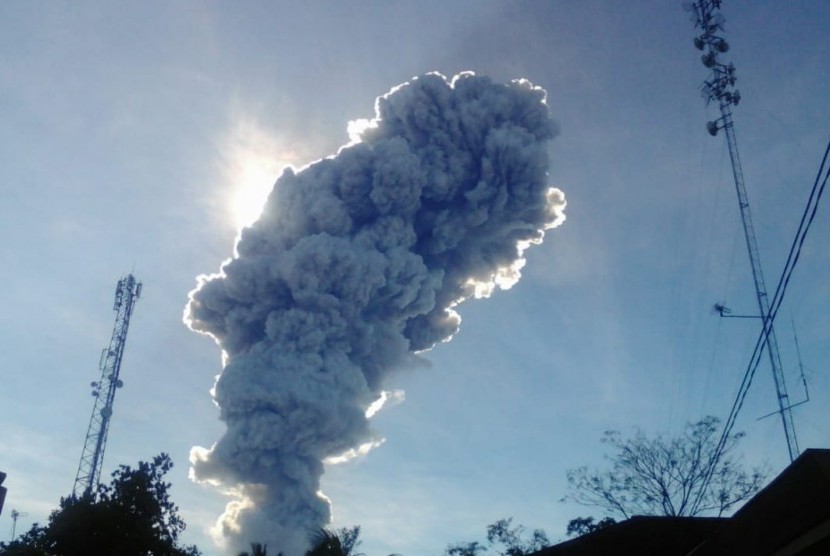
(808, 216)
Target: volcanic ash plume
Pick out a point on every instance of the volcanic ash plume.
(355, 264)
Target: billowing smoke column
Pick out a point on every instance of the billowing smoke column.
(355, 264)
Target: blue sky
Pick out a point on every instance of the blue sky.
(131, 136)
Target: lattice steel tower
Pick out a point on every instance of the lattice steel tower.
(89, 470)
(720, 88)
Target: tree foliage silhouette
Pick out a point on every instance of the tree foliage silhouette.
(342, 542)
(583, 525)
(257, 549)
(132, 516)
(667, 476)
(502, 539)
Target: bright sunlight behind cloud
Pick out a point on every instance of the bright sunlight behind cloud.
(254, 161)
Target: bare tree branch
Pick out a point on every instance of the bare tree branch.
(667, 476)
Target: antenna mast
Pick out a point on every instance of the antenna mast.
(89, 470)
(720, 88)
(15, 516)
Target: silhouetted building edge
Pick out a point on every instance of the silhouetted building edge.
(790, 516)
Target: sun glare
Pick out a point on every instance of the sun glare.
(253, 182)
(255, 160)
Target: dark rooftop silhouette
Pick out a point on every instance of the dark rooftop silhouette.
(791, 516)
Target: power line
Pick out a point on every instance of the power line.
(719, 87)
(792, 259)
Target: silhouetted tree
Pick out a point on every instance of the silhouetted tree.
(504, 540)
(257, 549)
(667, 476)
(342, 542)
(583, 525)
(132, 516)
(465, 549)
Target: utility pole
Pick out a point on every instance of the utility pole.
(89, 469)
(720, 88)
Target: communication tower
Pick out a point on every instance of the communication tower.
(15, 516)
(89, 470)
(720, 88)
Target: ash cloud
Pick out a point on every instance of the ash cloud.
(356, 263)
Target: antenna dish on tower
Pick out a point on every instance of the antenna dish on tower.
(92, 456)
(719, 88)
(709, 60)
